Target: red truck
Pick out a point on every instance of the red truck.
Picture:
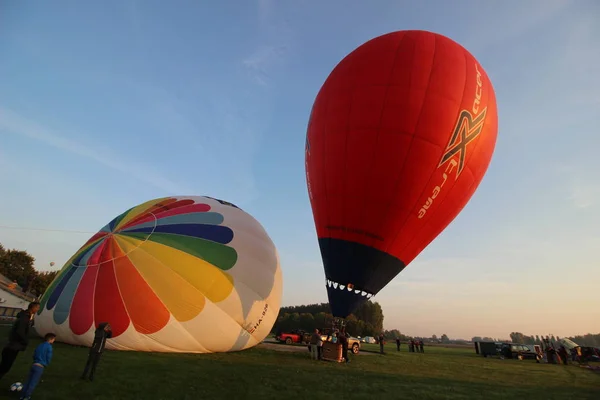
(298, 336)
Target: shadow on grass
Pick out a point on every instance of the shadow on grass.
(191, 377)
(266, 374)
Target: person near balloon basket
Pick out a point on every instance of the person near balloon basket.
(316, 345)
(343, 340)
(103, 332)
(41, 359)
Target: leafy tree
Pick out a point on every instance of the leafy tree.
(517, 337)
(366, 321)
(17, 265)
(445, 338)
(42, 281)
(307, 322)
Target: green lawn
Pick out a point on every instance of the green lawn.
(440, 373)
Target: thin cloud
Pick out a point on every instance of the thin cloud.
(524, 18)
(582, 185)
(12, 122)
(275, 44)
(580, 61)
(262, 60)
(585, 194)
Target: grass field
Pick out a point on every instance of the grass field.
(261, 373)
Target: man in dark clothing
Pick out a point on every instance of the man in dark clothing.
(102, 333)
(18, 338)
(562, 351)
(421, 346)
(343, 340)
(381, 343)
(398, 344)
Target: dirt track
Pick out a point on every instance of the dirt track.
(273, 345)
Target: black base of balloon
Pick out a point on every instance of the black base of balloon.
(365, 268)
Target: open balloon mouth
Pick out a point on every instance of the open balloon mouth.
(349, 288)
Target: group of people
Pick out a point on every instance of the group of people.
(337, 336)
(551, 355)
(18, 340)
(414, 346)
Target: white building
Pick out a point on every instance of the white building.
(12, 300)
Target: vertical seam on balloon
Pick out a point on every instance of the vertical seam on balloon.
(239, 281)
(414, 206)
(399, 176)
(73, 298)
(179, 275)
(170, 312)
(467, 166)
(225, 313)
(259, 261)
(323, 152)
(189, 334)
(375, 152)
(115, 275)
(353, 87)
(123, 300)
(114, 267)
(94, 292)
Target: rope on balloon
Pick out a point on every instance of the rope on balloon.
(43, 229)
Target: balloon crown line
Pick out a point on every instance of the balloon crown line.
(348, 287)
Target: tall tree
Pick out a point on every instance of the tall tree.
(17, 265)
(42, 281)
(517, 337)
(372, 314)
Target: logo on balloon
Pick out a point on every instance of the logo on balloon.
(466, 130)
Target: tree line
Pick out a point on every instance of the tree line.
(367, 320)
(17, 266)
(592, 340)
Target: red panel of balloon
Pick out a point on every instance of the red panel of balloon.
(400, 135)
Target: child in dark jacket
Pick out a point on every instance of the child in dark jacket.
(102, 333)
(41, 359)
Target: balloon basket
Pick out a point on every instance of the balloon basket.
(332, 352)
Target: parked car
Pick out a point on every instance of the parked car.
(368, 339)
(590, 354)
(521, 351)
(353, 343)
(296, 336)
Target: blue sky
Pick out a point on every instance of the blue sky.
(104, 105)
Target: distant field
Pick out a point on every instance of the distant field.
(266, 373)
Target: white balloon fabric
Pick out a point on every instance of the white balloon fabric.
(176, 274)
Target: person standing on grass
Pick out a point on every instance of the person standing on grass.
(314, 345)
(421, 346)
(381, 343)
(103, 333)
(397, 344)
(18, 338)
(564, 356)
(41, 359)
(320, 347)
(343, 338)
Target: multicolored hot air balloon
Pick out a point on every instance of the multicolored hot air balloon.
(177, 274)
(400, 136)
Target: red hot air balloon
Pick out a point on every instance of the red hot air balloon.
(400, 136)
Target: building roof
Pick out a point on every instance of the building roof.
(17, 291)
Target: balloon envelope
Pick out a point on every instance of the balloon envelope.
(400, 135)
(177, 274)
